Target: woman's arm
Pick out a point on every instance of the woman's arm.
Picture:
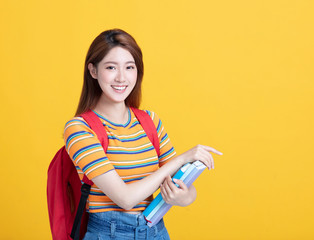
(128, 195)
(87, 153)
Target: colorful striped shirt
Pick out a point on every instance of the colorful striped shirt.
(129, 152)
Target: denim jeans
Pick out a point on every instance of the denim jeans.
(123, 226)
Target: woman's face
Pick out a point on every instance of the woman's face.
(116, 74)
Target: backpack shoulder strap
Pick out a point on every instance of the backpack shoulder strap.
(96, 125)
(148, 126)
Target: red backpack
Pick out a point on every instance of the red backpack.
(65, 193)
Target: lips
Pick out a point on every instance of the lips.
(120, 88)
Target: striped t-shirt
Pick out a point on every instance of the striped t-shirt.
(129, 152)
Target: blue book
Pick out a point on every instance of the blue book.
(158, 207)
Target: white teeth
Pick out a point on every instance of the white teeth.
(119, 88)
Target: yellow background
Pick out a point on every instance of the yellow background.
(235, 75)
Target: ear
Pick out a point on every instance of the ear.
(92, 70)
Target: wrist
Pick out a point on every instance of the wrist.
(180, 160)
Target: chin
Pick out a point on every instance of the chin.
(118, 100)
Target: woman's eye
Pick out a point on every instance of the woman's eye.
(130, 67)
(110, 67)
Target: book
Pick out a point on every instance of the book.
(158, 207)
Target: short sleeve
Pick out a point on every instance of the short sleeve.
(167, 151)
(85, 149)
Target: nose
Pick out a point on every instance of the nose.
(120, 76)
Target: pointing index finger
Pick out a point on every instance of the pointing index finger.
(210, 149)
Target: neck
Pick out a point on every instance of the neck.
(117, 113)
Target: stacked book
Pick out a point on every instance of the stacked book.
(158, 207)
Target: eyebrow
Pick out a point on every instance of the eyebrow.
(112, 62)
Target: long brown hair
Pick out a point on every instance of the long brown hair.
(101, 45)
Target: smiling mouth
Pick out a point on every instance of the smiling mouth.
(119, 88)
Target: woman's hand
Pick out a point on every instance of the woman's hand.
(202, 153)
(179, 196)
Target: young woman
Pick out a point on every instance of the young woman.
(129, 172)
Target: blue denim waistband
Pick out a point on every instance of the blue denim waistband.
(113, 221)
